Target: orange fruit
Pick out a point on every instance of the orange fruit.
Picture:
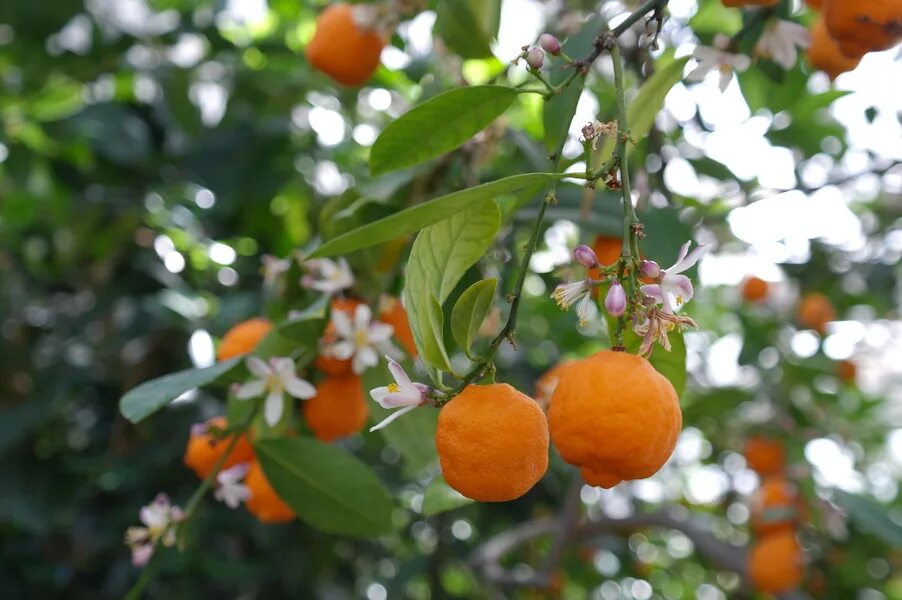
(328, 364)
(391, 311)
(776, 563)
(204, 450)
(264, 503)
(815, 311)
(824, 53)
(846, 370)
(343, 49)
(243, 337)
(615, 417)
(764, 456)
(547, 383)
(492, 442)
(775, 506)
(862, 27)
(738, 3)
(754, 289)
(339, 408)
(607, 248)
(816, 4)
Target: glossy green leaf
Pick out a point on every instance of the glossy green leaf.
(438, 125)
(468, 26)
(422, 215)
(328, 488)
(414, 437)
(149, 397)
(870, 517)
(440, 497)
(470, 310)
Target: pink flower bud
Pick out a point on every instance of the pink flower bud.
(535, 58)
(550, 44)
(585, 256)
(615, 301)
(650, 268)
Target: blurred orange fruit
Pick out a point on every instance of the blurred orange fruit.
(492, 442)
(339, 408)
(775, 506)
(764, 456)
(243, 337)
(738, 3)
(824, 53)
(754, 289)
(847, 370)
(205, 449)
(815, 311)
(615, 417)
(342, 48)
(776, 563)
(391, 311)
(861, 27)
(264, 503)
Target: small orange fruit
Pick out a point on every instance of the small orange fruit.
(204, 449)
(846, 370)
(862, 27)
(339, 408)
(754, 289)
(264, 503)
(815, 4)
(341, 48)
(607, 248)
(776, 563)
(815, 311)
(764, 456)
(391, 311)
(243, 337)
(775, 506)
(329, 364)
(547, 383)
(824, 53)
(615, 417)
(492, 442)
(739, 3)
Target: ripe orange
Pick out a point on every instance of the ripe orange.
(391, 311)
(204, 450)
(815, 311)
(824, 53)
(339, 408)
(738, 3)
(776, 563)
(846, 370)
(764, 456)
(328, 364)
(492, 442)
(861, 27)
(615, 417)
(264, 503)
(547, 383)
(243, 337)
(342, 49)
(775, 506)
(816, 4)
(607, 248)
(754, 289)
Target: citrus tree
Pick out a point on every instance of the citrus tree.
(453, 298)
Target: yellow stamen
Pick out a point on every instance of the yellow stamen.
(394, 388)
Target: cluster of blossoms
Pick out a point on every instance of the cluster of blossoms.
(159, 519)
(655, 305)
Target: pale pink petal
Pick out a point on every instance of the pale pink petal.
(653, 290)
(398, 372)
(141, 554)
(392, 417)
(257, 366)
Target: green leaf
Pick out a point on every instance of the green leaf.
(438, 125)
(468, 26)
(440, 497)
(422, 215)
(470, 310)
(641, 112)
(149, 397)
(414, 437)
(870, 517)
(308, 324)
(328, 488)
(440, 256)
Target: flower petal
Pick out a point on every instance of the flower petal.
(342, 350)
(258, 366)
(398, 372)
(342, 322)
(299, 388)
(362, 317)
(141, 554)
(251, 389)
(726, 75)
(687, 260)
(653, 290)
(392, 417)
(273, 408)
(379, 332)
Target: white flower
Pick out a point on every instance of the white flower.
(713, 58)
(231, 490)
(158, 518)
(674, 289)
(273, 268)
(361, 338)
(327, 276)
(274, 379)
(403, 394)
(580, 293)
(780, 41)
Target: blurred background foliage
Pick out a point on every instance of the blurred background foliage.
(151, 151)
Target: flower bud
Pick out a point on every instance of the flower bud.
(615, 301)
(585, 256)
(650, 268)
(535, 58)
(550, 44)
